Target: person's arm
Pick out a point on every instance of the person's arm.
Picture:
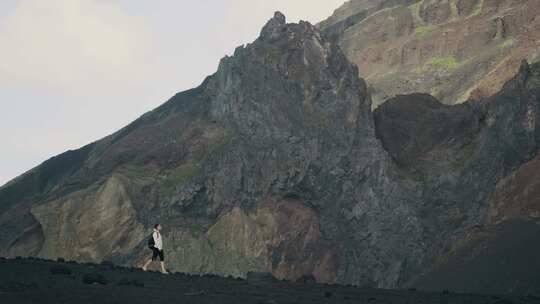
(154, 236)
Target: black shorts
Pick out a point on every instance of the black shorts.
(156, 252)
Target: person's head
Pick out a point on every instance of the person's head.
(157, 226)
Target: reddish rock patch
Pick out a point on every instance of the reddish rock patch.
(297, 249)
(517, 195)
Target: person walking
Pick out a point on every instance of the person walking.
(156, 244)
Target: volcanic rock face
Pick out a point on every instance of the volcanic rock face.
(89, 225)
(412, 125)
(477, 181)
(451, 49)
(240, 170)
(517, 196)
(277, 164)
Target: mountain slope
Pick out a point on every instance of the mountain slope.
(277, 164)
(452, 49)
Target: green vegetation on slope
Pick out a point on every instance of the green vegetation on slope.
(137, 172)
(438, 65)
(423, 30)
(478, 9)
(415, 11)
(454, 10)
(193, 166)
(443, 63)
(509, 42)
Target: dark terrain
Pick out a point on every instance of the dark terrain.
(41, 281)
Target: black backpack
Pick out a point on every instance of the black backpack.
(151, 242)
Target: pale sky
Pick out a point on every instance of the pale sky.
(74, 71)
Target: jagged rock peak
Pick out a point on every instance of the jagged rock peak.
(273, 25)
(293, 57)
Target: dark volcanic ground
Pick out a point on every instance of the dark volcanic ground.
(39, 281)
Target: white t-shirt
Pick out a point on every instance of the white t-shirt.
(157, 240)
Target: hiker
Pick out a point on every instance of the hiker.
(155, 242)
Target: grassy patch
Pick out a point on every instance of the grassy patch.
(423, 30)
(183, 173)
(443, 63)
(418, 70)
(415, 11)
(136, 171)
(193, 166)
(454, 9)
(506, 43)
(179, 176)
(478, 8)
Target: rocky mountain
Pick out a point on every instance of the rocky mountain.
(276, 163)
(452, 49)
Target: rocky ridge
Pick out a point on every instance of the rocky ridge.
(452, 49)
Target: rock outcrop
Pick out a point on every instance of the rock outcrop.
(239, 170)
(276, 163)
(474, 164)
(451, 49)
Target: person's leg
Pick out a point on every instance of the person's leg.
(145, 267)
(162, 262)
(155, 254)
(163, 270)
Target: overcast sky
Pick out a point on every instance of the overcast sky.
(74, 71)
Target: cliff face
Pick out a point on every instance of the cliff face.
(451, 49)
(474, 164)
(276, 163)
(245, 172)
